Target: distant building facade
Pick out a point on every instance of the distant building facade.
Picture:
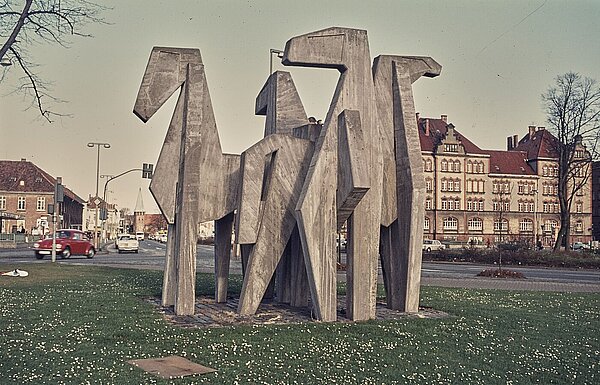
(108, 228)
(484, 197)
(25, 193)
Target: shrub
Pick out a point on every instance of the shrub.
(491, 256)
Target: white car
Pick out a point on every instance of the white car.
(127, 243)
(432, 245)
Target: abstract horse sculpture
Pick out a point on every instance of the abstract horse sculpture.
(337, 191)
(297, 186)
(194, 181)
(403, 182)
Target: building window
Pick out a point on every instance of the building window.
(469, 167)
(444, 185)
(525, 225)
(426, 224)
(427, 165)
(579, 207)
(444, 164)
(451, 147)
(579, 226)
(450, 223)
(475, 224)
(457, 185)
(429, 185)
(457, 166)
(41, 204)
(545, 171)
(2, 203)
(501, 226)
(480, 168)
(481, 205)
(21, 203)
(428, 204)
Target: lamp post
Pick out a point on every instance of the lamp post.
(272, 52)
(105, 230)
(98, 145)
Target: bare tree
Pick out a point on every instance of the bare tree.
(27, 23)
(572, 107)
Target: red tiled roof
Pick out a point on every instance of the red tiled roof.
(34, 179)
(437, 130)
(539, 146)
(501, 162)
(509, 162)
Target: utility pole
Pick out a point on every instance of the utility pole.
(58, 198)
(96, 199)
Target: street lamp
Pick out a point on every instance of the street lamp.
(98, 145)
(104, 214)
(272, 52)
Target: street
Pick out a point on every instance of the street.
(151, 256)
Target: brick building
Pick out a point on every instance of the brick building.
(488, 196)
(25, 193)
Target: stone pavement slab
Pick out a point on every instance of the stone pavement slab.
(208, 313)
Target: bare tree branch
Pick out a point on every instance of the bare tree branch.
(41, 21)
(572, 107)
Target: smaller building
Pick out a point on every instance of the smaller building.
(25, 193)
(108, 228)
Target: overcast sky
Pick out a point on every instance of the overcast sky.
(497, 58)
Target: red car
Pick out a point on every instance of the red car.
(68, 242)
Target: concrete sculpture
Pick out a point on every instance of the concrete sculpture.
(352, 192)
(194, 181)
(294, 189)
(403, 182)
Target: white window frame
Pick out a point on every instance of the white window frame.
(41, 204)
(21, 203)
(450, 223)
(525, 225)
(475, 224)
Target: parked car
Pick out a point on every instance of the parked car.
(162, 238)
(68, 242)
(139, 235)
(127, 243)
(580, 246)
(432, 244)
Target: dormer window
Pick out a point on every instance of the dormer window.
(451, 147)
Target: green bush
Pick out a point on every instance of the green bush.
(518, 257)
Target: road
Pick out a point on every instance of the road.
(151, 256)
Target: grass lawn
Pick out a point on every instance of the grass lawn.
(79, 325)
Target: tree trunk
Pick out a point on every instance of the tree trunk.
(13, 36)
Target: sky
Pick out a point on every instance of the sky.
(498, 57)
